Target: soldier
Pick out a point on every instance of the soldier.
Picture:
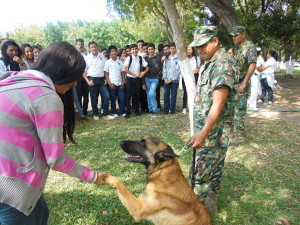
(246, 57)
(213, 115)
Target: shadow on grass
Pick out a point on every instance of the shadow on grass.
(83, 207)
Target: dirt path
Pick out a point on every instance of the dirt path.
(286, 104)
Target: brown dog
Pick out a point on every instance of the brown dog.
(167, 199)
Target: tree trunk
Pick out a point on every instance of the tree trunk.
(289, 61)
(224, 12)
(184, 62)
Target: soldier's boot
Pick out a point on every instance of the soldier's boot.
(210, 203)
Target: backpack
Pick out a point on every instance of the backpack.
(141, 61)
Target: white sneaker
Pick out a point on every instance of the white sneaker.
(123, 115)
(254, 109)
(96, 117)
(184, 111)
(108, 117)
(260, 101)
(270, 103)
(153, 115)
(115, 115)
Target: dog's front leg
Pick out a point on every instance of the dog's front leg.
(139, 208)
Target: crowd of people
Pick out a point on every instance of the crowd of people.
(130, 77)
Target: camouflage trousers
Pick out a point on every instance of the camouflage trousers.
(240, 109)
(209, 162)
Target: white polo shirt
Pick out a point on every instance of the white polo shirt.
(195, 64)
(135, 66)
(95, 65)
(114, 68)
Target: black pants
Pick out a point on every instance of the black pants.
(83, 94)
(143, 100)
(185, 92)
(133, 91)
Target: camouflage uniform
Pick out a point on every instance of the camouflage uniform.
(245, 54)
(219, 71)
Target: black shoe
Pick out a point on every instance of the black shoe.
(137, 114)
(126, 117)
(84, 118)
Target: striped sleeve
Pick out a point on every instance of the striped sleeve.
(46, 112)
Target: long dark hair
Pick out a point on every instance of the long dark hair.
(63, 64)
(14, 66)
(273, 54)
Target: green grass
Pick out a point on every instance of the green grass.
(296, 72)
(260, 180)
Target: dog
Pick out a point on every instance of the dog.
(167, 199)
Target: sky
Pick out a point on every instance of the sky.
(23, 13)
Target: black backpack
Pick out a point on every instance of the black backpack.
(141, 62)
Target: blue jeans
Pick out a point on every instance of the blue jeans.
(171, 87)
(12, 216)
(99, 87)
(118, 91)
(151, 84)
(265, 88)
(77, 103)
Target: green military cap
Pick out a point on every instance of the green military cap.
(203, 34)
(238, 30)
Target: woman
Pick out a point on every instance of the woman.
(195, 63)
(122, 55)
(36, 116)
(36, 51)
(267, 77)
(11, 58)
(27, 55)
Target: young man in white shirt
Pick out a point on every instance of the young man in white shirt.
(94, 76)
(132, 66)
(114, 75)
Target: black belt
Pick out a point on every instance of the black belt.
(98, 78)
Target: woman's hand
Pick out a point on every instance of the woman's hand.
(101, 178)
(18, 59)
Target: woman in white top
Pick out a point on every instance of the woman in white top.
(195, 63)
(267, 77)
(11, 58)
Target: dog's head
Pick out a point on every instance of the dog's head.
(147, 151)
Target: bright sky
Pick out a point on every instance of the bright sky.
(23, 13)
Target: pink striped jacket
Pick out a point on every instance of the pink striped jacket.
(31, 139)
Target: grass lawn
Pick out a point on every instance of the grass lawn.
(261, 179)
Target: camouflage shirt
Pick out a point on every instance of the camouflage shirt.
(220, 71)
(245, 54)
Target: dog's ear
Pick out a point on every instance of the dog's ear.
(165, 155)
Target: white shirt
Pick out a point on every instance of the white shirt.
(271, 62)
(195, 64)
(114, 70)
(3, 68)
(260, 62)
(135, 66)
(95, 65)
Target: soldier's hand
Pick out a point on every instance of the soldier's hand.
(241, 88)
(198, 140)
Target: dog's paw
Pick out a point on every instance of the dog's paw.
(112, 181)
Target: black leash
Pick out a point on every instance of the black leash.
(193, 170)
(193, 164)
